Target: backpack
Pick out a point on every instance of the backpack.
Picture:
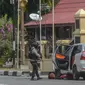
(30, 54)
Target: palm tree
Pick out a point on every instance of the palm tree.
(5, 8)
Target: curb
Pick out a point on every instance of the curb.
(12, 73)
(19, 73)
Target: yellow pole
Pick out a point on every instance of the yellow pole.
(22, 37)
(22, 5)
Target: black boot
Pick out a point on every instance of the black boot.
(39, 78)
(32, 78)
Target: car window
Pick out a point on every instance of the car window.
(77, 48)
(62, 48)
(67, 52)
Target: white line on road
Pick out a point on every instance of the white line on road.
(3, 84)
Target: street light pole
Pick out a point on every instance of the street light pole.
(53, 29)
(40, 26)
(14, 35)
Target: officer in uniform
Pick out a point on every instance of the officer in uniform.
(35, 57)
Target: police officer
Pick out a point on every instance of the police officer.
(35, 57)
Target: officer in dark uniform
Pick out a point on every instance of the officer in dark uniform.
(35, 57)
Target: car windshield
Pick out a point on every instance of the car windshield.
(62, 48)
(67, 52)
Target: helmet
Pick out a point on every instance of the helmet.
(34, 44)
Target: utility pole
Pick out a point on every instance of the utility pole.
(18, 43)
(22, 37)
(22, 6)
(14, 22)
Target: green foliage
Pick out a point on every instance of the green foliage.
(49, 4)
(5, 50)
(33, 7)
(5, 38)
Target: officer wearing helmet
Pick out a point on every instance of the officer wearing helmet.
(34, 58)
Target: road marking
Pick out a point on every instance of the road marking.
(3, 84)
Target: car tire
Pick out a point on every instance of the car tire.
(75, 73)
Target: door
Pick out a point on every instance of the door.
(77, 51)
(62, 59)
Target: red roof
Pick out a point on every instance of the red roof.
(64, 12)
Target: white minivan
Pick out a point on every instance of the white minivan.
(73, 61)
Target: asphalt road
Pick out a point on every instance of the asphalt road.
(9, 80)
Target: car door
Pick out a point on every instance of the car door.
(68, 54)
(78, 51)
(62, 60)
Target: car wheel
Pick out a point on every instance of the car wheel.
(75, 73)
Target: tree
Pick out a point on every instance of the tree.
(33, 7)
(6, 8)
